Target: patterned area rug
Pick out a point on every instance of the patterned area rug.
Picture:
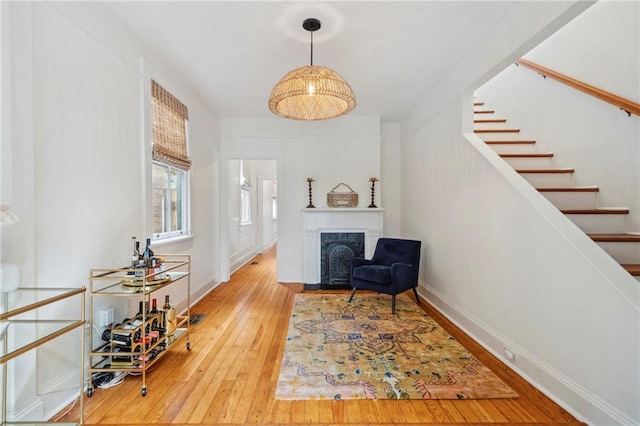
(359, 350)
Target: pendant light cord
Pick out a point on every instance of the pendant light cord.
(311, 47)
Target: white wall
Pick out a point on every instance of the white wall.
(607, 38)
(600, 141)
(79, 142)
(391, 178)
(531, 281)
(346, 150)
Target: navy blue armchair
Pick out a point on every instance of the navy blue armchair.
(392, 270)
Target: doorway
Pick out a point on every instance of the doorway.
(249, 214)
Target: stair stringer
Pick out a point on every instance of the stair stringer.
(590, 250)
(582, 402)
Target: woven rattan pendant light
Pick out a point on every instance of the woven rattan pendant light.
(311, 92)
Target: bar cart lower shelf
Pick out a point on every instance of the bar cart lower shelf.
(139, 343)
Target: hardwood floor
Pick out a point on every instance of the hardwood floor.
(230, 375)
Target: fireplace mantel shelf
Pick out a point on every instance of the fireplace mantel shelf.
(342, 209)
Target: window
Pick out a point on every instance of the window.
(170, 165)
(169, 190)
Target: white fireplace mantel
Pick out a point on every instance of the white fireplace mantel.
(336, 219)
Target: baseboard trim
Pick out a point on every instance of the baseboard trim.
(60, 391)
(32, 409)
(242, 260)
(578, 401)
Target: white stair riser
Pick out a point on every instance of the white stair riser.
(549, 180)
(622, 252)
(500, 136)
(600, 223)
(637, 278)
(488, 125)
(530, 163)
(572, 200)
(525, 148)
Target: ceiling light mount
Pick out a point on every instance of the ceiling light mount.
(311, 24)
(311, 92)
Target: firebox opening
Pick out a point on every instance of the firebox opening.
(336, 251)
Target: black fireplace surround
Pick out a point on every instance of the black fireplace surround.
(336, 251)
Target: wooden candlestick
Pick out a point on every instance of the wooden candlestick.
(373, 181)
(310, 206)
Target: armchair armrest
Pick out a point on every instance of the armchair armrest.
(360, 261)
(403, 276)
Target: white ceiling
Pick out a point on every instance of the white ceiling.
(233, 52)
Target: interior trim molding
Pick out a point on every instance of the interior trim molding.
(580, 402)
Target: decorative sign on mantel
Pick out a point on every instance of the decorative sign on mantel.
(342, 199)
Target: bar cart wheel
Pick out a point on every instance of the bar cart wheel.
(90, 391)
(144, 391)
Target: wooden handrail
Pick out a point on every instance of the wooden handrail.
(626, 105)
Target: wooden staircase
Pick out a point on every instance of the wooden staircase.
(606, 226)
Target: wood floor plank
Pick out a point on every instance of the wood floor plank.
(230, 375)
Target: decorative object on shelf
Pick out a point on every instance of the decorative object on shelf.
(310, 206)
(311, 92)
(342, 199)
(373, 181)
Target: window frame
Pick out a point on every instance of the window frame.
(185, 191)
(185, 231)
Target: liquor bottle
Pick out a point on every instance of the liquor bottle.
(138, 253)
(170, 317)
(120, 336)
(143, 316)
(155, 319)
(134, 256)
(125, 360)
(147, 254)
(106, 335)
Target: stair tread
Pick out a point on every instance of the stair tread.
(478, 103)
(529, 155)
(567, 170)
(616, 238)
(496, 130)
(484, 111)
(570, 189)
(490, 120)
(632, 269)
(610, 210)
(510, 142)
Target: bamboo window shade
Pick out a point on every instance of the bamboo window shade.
(169, 130)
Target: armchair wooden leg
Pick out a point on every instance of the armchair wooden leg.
(352, 293)
(393, 304)
(416, 293)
